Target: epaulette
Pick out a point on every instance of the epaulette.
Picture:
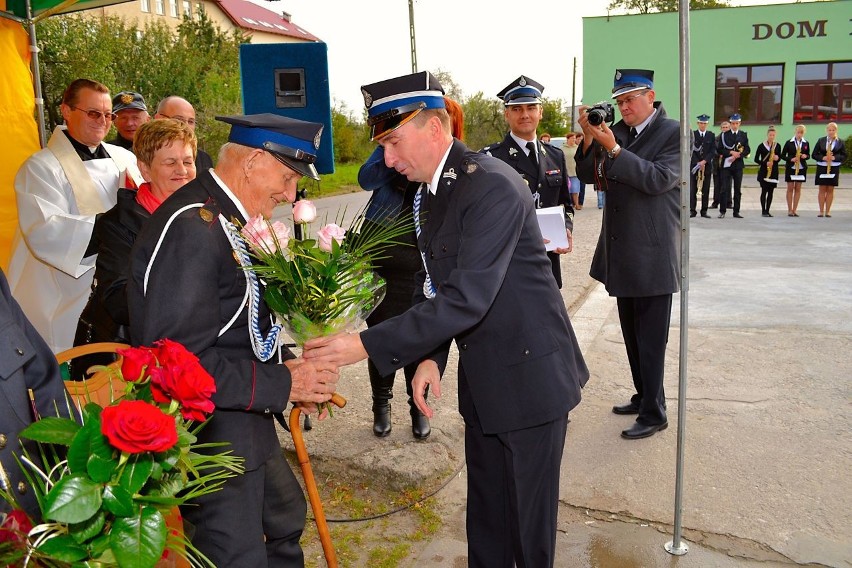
(488, 149)
(470, 165)
(209, 212)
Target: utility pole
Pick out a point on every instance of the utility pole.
(411, 33)
(573, 96)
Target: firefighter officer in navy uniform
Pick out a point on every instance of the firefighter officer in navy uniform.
(703, 154)
(540, 164)
(733, 148)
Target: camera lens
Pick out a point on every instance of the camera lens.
(596, 117)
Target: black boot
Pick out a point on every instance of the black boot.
(419, 423)
(382, 393)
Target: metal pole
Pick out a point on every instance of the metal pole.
(411, 33)
(677, 547)
(574, 95)
(39, 99)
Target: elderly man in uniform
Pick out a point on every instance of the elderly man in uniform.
(129, 112)
(487, 283)
(60, 191)
(701, 160)
(540, 164)
(188, 282)
(180, 109)
(637, 163)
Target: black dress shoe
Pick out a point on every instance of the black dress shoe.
(382, 424)
(629, 408)
(737, 216)
(420, 426)
(705, 215)
(721, 215)
(693, 214)
(638, 430)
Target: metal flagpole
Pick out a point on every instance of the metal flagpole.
(676, 546)
(411, 33)
(39, 99)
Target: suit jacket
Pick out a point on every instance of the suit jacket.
(195, 294)
(727, 142)
(788, 152)
(838, 151)
(519, 361)
(638, 251)
(26, 362)
(703, 148)
(548, 181)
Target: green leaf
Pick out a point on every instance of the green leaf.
(168, 459)
(102, 459)
(81, 532)
(139, 541)
(51, 430)
(100, 549)
(80, 448)
(64, 548)
(74, 499)
(118, 501)
(136, 472)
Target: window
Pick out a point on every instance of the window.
(173, 7)
(146, 5)
(823, 92)
(753, 91)
(161, 9)
(187, 9)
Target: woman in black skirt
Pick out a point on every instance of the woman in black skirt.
(767, 156)
(795, 154)
(829, 153)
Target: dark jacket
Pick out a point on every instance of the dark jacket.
(703, 148)
(788, 152)
(761, 157)
(519, 361)
(194, 292)
(727, 142)
(638, 251)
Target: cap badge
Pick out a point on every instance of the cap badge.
(127, 98)
(523, 81)
(317, 138)
(618, 75)
(368, 98)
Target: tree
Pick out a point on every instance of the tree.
(351, 137)
(451, 87)
(483, 121)
(553, 119)
(650, 6)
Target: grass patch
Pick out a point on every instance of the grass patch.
(388, 556)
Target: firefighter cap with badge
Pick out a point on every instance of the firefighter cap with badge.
(393, 102)
(293, 142)
(522, 91)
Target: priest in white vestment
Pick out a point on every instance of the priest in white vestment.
(60, 190)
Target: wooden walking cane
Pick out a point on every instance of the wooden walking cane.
(310, 482)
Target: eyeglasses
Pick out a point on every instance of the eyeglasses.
(630, 99)
(96, 114)
(189, 121)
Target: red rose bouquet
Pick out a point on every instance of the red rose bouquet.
(110, 479)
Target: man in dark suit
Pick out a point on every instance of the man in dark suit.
(638, 252)
(540, 164)
(701, 161)
(187, 282)
(724, 126)
(733, 148)
(486, 283)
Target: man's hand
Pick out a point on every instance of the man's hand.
(570, 244)
(601, 133)
(735, 155)
(341, 349)
(427, 374)
(312, 381)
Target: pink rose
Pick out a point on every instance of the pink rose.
(264, 236)
(304, 211)
(329, 233)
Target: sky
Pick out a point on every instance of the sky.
(368, 41)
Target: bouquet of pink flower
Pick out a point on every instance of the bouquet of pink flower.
(105, 498)
(324, 285)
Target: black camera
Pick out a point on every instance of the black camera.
(600, 113)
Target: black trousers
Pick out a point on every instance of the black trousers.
(255, 521)
(645, 328)
(729, 176)
(705, 190)
(513, 495)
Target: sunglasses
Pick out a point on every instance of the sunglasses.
(96, 114)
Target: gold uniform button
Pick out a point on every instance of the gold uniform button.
(22, 487)
(3, 440)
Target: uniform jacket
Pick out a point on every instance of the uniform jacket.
(838, 152)
(706, 149)
(26, 362)
(519, 361)
(761, 157)
(548, 182)
(50, 273)
(196, 295)
(638, 251)
(106, 312)
(727, 142)
(788, 152)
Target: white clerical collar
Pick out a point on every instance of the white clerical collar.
(433, 187)
(230, 195)
(523, 143)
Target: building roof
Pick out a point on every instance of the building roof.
(250, 16)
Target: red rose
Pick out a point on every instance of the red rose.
(135, 426)
(182, 378)
(15, 527)
(136, 359)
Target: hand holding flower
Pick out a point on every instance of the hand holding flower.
(340, 349)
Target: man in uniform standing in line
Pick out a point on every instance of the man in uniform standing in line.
(637, 258)
(60, 191)
(733, 148)
(129, 112)
(540, 164)
(703, 153)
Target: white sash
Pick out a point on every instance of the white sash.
(85, 192)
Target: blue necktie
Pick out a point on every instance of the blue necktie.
(428, 288)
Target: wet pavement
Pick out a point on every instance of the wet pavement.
(768, 409)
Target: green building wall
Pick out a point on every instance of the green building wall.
(774, 34)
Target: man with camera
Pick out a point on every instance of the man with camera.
(540, 164)
(637, 162)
